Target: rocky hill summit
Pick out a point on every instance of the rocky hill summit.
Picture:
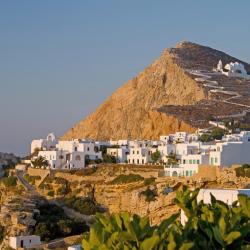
(177, 92)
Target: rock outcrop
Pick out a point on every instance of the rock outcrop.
(139, 109)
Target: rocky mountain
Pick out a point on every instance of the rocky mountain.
(177, 92)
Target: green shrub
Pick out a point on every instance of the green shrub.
(156, 156)
(243, 171)
(51, 193)
(52, 223)
(122, 179)
(150, 194)
(10, 181)
(214, 226)
(149, 181)
(2, 233)
(31, 178)
(84, 205)
(109, 159)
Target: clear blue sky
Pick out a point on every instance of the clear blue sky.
(60, 59)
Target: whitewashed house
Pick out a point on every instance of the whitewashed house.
(44, 144)
(139, 155)
(119, 153)
(66, 154)
(232, 149)
(228, 196)
(30, 241)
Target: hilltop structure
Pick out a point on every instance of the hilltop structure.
(231, 69)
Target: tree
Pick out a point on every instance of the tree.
(40, 162)
(217, 133)
(205, 138)
(109, 159)
(156, 156)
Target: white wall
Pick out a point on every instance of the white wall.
(28, 241)
(228, 196)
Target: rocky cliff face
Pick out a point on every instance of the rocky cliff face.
(135, 109)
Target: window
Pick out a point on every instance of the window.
(215, 160)
(142, 161)
(212, 160)
(184, 161)
(78, 158)
(75, 148)
(133, 161)
(138, 161)
(190, 161)
(186, 172)
(133, 152)
(137, 152)
(198, 161)
(194, 161)
(87, 148)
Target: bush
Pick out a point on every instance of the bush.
(243, 171)
(214, 226)
(149, 181)
(52, 223)
(2, 233)
(10, 181)
(51, 193)
(109, 159)
(84, 205)
(216, 134)
(31, 179)
(156, 156)
(122, 179)
(150, 195)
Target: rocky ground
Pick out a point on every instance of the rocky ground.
(150, 195)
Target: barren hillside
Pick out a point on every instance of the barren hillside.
(168, 96)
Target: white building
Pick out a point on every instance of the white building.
(44, 144)
(233, 149)
(30, 241)
(231, 69)
(228, 196)
(139, 155)
(66, 154)
(119, 153)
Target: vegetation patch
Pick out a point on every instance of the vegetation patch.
(10, 181)
(31, 178)
(216, 134)
(214, 226)
(2, 233)
(123, 179)
(243, 171)
(84, 205)
(150, 194)
(149, 181)
(52, 223)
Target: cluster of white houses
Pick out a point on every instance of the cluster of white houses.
(185, 150)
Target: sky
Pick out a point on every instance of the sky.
(60, 59)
